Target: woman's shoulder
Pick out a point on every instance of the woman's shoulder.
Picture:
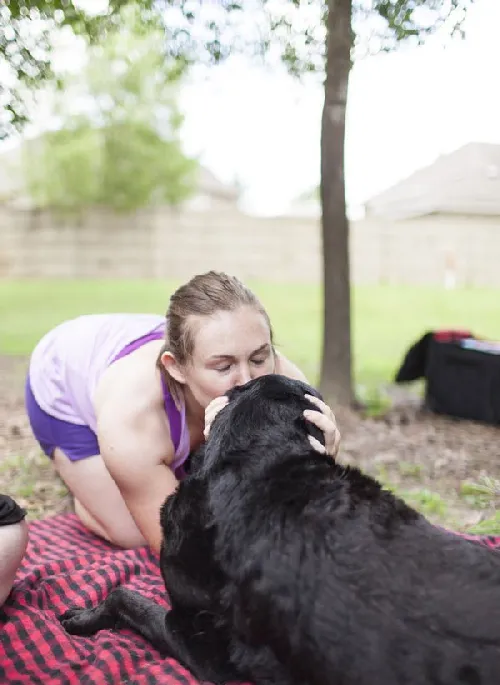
(287, 368)
(132, 384)
(131, 415)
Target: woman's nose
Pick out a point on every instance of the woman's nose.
(244, 375)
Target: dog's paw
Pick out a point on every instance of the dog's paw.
(78, 621)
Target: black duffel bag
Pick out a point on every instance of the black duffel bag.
(461, 372)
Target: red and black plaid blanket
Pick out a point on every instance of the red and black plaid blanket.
(67, 566)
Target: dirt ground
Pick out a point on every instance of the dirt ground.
(450, 470)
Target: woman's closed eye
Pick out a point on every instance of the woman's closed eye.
(225, 365)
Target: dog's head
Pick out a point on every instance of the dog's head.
(260, 417)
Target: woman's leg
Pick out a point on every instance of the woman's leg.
(98, 501)
(13, 543)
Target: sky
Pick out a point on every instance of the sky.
(404, 110)
(262, 128)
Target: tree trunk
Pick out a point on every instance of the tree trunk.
(336, 369)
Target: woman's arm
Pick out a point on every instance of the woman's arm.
(137, 451)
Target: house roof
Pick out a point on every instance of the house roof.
(209, 184)
(465, 181)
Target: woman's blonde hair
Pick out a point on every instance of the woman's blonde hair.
(203, 295)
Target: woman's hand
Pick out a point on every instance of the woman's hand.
(211, 412)
(324, 419)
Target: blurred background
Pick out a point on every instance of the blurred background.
(342, 158)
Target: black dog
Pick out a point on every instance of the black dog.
(284, 568)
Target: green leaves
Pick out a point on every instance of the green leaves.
(121, 148)
(417, 19)
(27, 29)
(196, 31)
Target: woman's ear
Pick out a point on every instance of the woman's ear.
(172, 367)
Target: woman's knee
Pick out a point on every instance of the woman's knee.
(98, 501)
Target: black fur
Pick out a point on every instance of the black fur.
(284, 568)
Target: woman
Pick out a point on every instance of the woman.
(118, 402)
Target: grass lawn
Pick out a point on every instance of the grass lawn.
(386, 319)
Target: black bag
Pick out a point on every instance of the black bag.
(460, 382)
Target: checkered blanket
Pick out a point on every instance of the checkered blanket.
(67, 566)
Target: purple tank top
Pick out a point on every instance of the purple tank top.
(175, 418)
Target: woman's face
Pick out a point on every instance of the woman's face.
(230, 348)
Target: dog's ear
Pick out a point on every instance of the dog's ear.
(314, 392)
